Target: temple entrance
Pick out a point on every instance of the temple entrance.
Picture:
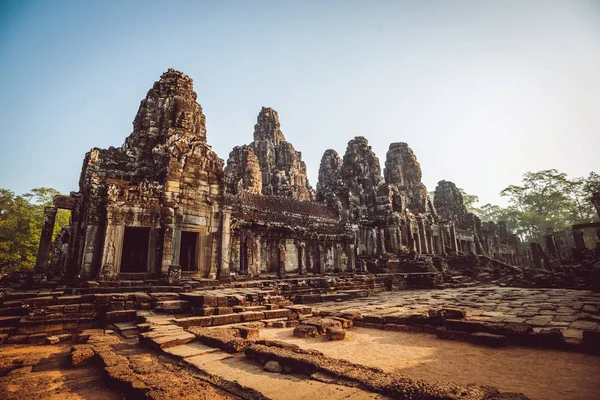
(134, 257)
(188, 252)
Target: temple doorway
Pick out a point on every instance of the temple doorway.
(134, 257)
(188, 255)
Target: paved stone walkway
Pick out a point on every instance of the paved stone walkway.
(571, 311)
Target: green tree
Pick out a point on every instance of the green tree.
(549, 200)
(470, 201)
(21, 219)
(581, 190)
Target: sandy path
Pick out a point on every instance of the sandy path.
(540, 374)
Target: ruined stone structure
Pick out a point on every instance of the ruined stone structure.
(165, 199)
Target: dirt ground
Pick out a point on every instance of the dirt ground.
(46, 375)
(540, 374)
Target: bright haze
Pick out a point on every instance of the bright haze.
(482, 91)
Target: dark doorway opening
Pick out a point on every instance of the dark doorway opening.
(134, 257)
(188, 252)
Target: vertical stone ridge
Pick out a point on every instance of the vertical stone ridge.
(281, 166)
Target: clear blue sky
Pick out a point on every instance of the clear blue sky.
(482, 91)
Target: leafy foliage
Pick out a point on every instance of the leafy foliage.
(545, 200)
(21, 220)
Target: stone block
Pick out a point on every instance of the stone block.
(226, 319)
(10, 321)
(194, 321)
(37, 338)
(204, 311)
(223, 310)
(305, 331)
(335, 333)
(18, 339)
(249, 332)
(200, 300)
(120, 316)
(52, 340)
(373, 319)
(465, 326)
(488, 339)
(251, 316)
(68, 299)
(280, 313)
(444, 333)
(222, 301)
(172, 306)
(164, 296)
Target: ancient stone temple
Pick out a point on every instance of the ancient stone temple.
(165, 199)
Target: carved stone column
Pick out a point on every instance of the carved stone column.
(225, 244)
(41, 264)
(453, 241)
(536, 256)
(281, 269)
(301, 248)
(579, 241)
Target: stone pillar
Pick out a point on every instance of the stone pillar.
(430, 244)
(579, 241)
(41, 264)
(352, 258)
(320, 259)
(225, 244)
(337, 258)
(423, 236)
(243, 253)
(535, 256)
(453, 242)
(442, 236)
(380, 240)
(112, 250)
(301, 248)
(596, 202)
(410, 240)
(281, 269)
(551, 245)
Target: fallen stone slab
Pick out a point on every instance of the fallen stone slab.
(191, 349)
(173, 339)
(375, 380)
